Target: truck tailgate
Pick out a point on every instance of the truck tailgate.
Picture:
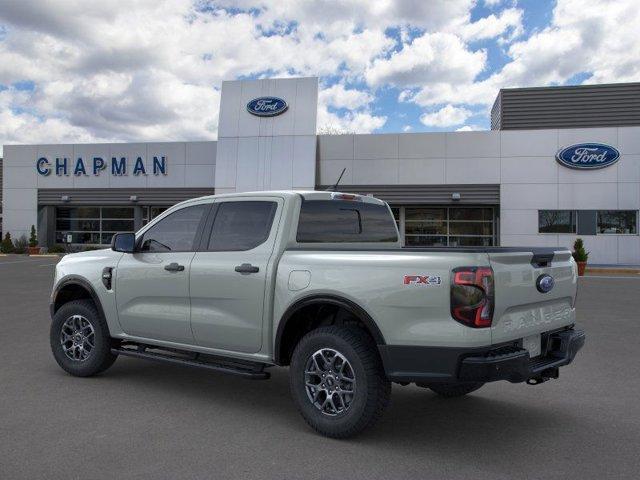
(521, 310)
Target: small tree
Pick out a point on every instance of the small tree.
(7, 244)
(579, 253)
(33, 237)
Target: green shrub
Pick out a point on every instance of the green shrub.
(20, 244)
(7, 244)
(579, 253)
(33, 238)
(57, 249)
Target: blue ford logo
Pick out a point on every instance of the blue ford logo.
(545, 283)
(588, 156)
(267, 106)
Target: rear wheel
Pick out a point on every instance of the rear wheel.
(337, 381)
(451, 390)
(80, 339)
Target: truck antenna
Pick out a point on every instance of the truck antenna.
(333, 187)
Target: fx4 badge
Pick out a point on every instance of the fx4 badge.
(424, 280)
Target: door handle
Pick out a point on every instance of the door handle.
(247, 268)
(174, 267)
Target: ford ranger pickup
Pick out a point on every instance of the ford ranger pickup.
(319, 282)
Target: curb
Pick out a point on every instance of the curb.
(45, 255)
(612, 271)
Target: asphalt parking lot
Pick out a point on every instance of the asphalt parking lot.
(147, 420)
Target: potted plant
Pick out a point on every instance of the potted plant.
(580, 255)
(33, 249)
(7, 244)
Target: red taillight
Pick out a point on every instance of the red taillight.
(472, 297)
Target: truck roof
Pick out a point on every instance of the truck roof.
(306, 194)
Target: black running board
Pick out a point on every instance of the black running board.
(249, 370)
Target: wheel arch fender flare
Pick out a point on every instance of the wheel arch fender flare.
(336, 300)
(75, 280)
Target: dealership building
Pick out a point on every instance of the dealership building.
(559, 163)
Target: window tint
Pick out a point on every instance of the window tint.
(556, 221)
(241, 225)
(175, 233)
(617, 221)
(345, 221)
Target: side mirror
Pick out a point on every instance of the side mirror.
(124, 242)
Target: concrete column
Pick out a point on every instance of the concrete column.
(138, 215)
(46, 226)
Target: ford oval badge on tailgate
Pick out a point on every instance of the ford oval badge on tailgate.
(545, 283)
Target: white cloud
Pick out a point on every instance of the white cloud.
(351, 122)
(407, 128)
(447, 116)
(340, 97)
(509, 22)
(469, 128)
(433, 57)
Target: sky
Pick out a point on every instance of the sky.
(76, 71)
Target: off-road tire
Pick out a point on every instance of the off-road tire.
(100, 358)
(372, 388)
(452, 390)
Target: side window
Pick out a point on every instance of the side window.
(241, 225)
(175, 233)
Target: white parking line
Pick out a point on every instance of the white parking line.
(608, 276)
(48, 264)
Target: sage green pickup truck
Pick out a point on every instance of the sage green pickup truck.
(318, 282)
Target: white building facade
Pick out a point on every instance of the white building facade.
(499, 187)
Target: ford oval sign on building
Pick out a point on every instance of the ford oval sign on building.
(588, 156)
(267, 106)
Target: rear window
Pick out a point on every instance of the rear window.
(323, 221)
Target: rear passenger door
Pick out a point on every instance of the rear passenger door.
(228, 276)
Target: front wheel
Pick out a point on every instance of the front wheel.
(80, 339)
(337, 381)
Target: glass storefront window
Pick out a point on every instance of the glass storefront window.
(92, 225)
(556, 221)
(447, 226)
(618, 221)
(151, 212)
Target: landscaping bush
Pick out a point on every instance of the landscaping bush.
(57, 249)
(20, 245)
(7, 244)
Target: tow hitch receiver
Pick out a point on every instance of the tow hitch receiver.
(544, 376)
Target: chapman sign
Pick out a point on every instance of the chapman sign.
(588, 156)
(118, 166)
(267, 106)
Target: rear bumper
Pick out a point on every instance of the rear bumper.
(485, 364)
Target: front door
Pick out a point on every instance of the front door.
(152, 285)
(228, 276)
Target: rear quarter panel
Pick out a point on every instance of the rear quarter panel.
(414, 314)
